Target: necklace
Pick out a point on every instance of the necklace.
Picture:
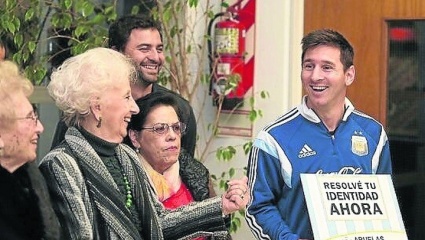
(128, 195)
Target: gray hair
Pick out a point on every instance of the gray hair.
(12, 82)
(85, 77)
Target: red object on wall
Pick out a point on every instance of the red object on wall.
(402, 34)
(230, 50)
(247, 18)
(231, 54)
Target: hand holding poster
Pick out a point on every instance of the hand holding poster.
(353, 207)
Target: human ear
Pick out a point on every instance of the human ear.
(95, 108)
(349, 75)
(133, 135)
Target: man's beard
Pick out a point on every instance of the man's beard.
(145, 81)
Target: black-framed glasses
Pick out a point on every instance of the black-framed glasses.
(162, 128)
(33, 116)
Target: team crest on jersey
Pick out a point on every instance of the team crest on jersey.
(359, 144)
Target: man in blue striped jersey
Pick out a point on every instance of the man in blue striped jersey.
(323, 135)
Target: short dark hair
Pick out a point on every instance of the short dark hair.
(146, 104)
(120, 30)
(332, 38)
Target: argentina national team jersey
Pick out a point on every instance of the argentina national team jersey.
(299, 142)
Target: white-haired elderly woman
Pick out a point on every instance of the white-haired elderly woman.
(97, 184)
(25, 210)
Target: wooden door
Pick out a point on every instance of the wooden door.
(363, 23)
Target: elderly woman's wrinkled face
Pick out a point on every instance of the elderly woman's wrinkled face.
(21, 138)
(117, 105)
(160, 150)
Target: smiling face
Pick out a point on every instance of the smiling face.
(324, 78)
(115, 108)
(145, 47)
(21, 138)
(159, 150)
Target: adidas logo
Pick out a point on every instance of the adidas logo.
(306, 151)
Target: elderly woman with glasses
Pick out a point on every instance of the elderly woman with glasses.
(97, 184)
(178, 179)
(24, 202)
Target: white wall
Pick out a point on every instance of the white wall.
(278, 33)
(279, 29)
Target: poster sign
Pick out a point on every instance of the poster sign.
(353, 207)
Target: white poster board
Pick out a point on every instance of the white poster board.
(353, 207)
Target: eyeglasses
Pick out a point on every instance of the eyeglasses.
(162, 128)
(33, 117)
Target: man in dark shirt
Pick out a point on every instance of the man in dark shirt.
(140, 38)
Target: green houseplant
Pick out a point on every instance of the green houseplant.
(41, 34)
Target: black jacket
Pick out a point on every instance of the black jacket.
(25, 208)
(195, 175)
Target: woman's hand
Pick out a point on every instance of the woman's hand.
(236, 196)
